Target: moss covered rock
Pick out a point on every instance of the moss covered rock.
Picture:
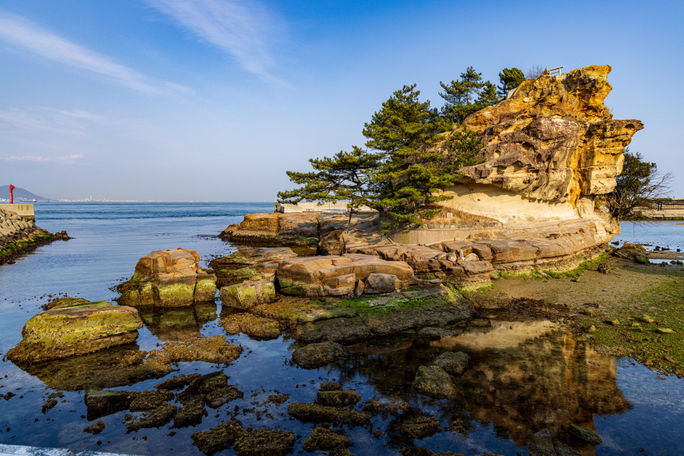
(248, 294)
(75, 328)
(168, 278)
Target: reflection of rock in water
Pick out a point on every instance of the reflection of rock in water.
(179, 323)
(113, 367)
(550, 382)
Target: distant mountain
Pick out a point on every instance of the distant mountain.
(21, 195)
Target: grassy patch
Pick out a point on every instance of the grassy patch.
(549, 273)
(649, 329)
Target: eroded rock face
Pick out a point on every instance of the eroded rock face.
(339, 275)
(75, 328)
(553, 139)
(168, 278)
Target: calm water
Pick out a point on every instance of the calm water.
(669, 234)
(506, 394)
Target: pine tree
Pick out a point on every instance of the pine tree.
(403, 130)
(510, 78)
(347, 176)
(466, 95)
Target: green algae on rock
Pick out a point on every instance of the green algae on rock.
(75, 328)
(168, 278)
(248, 293)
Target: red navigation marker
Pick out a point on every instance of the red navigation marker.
(11, 194)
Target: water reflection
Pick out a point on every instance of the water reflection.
(117, 366)
(549, 379)
(181, 323)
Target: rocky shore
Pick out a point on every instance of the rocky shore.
(499, 311)
(19, 236)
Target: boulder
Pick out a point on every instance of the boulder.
(168, 278)
(252, 325)
(319, 354)
(264, 442)
(242, 265)
(248, 294)
(378, 283)
(75, 329)
(634, 252)
(434, 381)
(338, 275)
(454, 363)
(294, 229)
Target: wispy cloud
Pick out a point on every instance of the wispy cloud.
(20, 32)
(51, 120)
(241, 29)
(41, 159)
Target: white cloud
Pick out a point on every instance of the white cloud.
(40, 159)
(240, 29)
(18, 31)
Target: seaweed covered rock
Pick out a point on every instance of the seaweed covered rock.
(316, 355)
(339, 275)
(168, 278)
(248, 293)
(434, 381)
(634, 252)
(75, 328)
(214, 349)
(252, 325)
(245, 263)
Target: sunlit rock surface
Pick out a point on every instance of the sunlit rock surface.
(74, 328)
(168, 278)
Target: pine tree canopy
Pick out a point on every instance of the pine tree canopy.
(467, 95)
(510, 78)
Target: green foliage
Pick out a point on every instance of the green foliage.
(406, 182)
(638, 182)
(468, 94)
(510, 78)
(402, 172)
(344, 177)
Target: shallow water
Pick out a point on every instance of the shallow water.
(510, 390)
(668, 234)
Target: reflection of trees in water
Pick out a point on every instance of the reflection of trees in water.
(547, 382)
(178, 323)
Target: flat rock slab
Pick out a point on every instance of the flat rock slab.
(75, 328)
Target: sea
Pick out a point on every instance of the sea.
(508, 394)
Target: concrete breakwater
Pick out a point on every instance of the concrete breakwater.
(19, 233)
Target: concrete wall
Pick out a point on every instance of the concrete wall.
(25, 211)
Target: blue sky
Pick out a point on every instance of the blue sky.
(215, 99)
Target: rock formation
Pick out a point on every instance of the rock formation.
(550, 150)
(168, 278)
(341, 275)
(75, 327)
(19, 235)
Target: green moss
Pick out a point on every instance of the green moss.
(241, 295)
(205, 290)
(575, 272)
(175, 295)
(292, 288)
(656, 307)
